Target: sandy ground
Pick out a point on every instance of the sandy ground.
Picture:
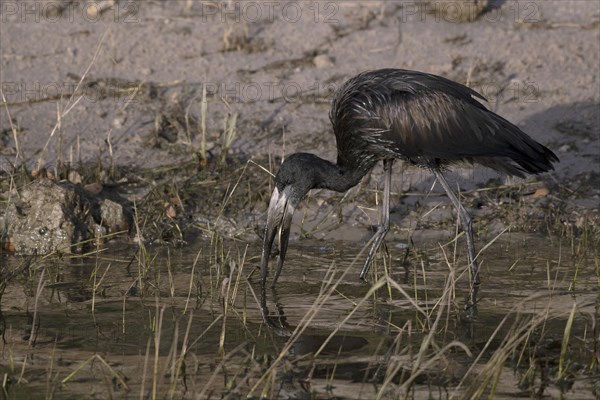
(275, 66)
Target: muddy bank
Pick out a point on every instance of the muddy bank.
(183, 203)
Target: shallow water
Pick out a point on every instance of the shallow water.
(117, 323)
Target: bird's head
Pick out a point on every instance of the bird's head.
(298, 174)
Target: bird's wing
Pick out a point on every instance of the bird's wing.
(433, 120)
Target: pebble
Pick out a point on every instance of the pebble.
(323, 61)
(74, 177)
(541, 192)
(93, 188)
(118, 122)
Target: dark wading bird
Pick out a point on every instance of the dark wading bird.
(422, 119)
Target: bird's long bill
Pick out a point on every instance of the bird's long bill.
(279, 221)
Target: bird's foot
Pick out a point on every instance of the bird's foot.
(468, 314)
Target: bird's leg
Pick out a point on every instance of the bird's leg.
(467, 224)
(384, 227)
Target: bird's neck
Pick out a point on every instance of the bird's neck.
(341, 178)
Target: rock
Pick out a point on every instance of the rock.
(118, 122)
(541, 192)
(45, 216)
(74, 177)
(93, 11)
(323, 61)
(93, 188)
(113, 216)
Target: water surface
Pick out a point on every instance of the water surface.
(131, 321)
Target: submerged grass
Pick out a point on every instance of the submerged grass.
(211, 343)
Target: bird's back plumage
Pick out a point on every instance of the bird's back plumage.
(429, 121)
